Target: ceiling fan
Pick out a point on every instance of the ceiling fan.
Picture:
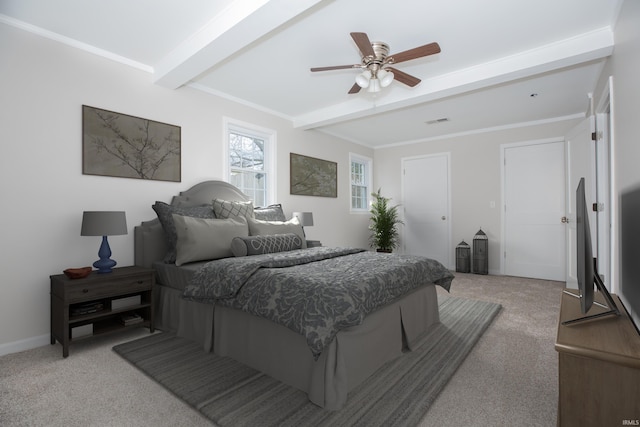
(376, 63)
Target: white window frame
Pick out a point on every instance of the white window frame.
(368, 162)
(269, 137)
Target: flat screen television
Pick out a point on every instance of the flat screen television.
(587, 270)
(629, 283)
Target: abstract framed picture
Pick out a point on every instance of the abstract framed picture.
(119, 145)
(313, 177)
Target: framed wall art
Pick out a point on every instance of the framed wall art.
(119, 145)
(313, 177)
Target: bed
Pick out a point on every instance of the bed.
(214, 313)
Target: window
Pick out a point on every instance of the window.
(360, 182)
(250, 165)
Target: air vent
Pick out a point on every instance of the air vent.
(433, 122)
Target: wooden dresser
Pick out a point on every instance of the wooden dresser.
(599, 368)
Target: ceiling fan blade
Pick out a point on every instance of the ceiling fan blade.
(335, 67)
(416, 52)
(354, 89)
(363, 43)
(403, 77)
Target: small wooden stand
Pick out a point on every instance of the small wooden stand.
(599, 368)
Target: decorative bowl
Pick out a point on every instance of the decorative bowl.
(78, 273)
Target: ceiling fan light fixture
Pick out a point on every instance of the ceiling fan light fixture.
(374, 56)
(363, 78)
(374, 85)
(385, 77)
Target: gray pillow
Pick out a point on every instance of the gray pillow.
(267, 228)
(270, 213)
(256, 245)
(228, 209)
(165, 212)
(204, 238)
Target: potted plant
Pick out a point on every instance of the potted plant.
(383, 224)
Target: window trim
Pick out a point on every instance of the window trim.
(368, 162)
(268, 135)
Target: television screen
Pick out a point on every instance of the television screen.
(585, 265)
(629, 290)
(587, 273)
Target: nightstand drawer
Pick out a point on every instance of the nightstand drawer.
(106, 288)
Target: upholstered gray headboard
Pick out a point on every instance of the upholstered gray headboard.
(149, 240)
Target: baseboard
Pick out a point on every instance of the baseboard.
(491, 272)
(26, 344)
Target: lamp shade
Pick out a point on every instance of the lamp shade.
(103, 223)
(385, 77)
(363, 78)
(305, 218)
(374, 85)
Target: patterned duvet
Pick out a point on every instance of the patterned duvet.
(315, 292)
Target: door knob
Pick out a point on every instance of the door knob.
(564, 220)
(444, 217)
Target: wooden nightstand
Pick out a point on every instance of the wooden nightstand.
(90, 300)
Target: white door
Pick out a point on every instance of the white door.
(425, 199)
(602, 199)
(579, 152)
(534, 183)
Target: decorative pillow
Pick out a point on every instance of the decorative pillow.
(165, 212)
(270, 213)
(267, 228)
(228, 209)
(256, 245)
(203, 238)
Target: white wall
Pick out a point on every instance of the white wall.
(624, 66)
(476, 169)
(43, 86)
(475, 179)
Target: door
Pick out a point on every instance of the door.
(579, 165)
(426, 207)
(534, 183)
(603, 199)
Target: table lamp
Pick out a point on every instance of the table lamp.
(305, 219)
(104, 223)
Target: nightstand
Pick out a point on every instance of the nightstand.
(108, 302)
(313, 243)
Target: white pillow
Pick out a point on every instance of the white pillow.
(205, 238)
(268, 228)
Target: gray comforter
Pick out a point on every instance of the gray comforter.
(315, 292)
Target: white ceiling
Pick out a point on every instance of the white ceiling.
(495, 55)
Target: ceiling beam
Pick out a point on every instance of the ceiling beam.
(565, 53)
(239, 25)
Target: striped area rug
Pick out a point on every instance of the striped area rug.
(231, 394)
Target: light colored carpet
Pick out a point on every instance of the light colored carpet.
(399, 393)
(510, 376)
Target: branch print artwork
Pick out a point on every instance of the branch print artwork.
(313, 177)
(120, 145)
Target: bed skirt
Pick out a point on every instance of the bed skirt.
(188, 319)
(354, 355)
